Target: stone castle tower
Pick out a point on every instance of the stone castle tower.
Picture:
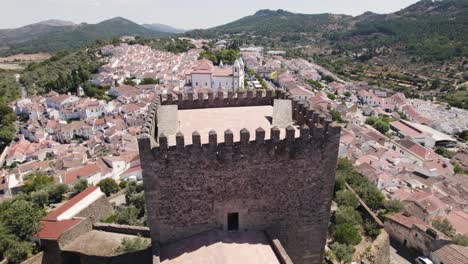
(281, 184)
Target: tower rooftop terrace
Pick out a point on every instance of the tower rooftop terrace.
(222, 119)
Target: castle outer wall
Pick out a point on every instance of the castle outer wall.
(284, 186)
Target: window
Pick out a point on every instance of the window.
(233, 221)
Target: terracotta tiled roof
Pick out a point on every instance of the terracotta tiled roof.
(83, 172)
(53, 216)
(54, 229)
(452, 254)
(407, 221)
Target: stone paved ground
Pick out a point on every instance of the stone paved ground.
(221, 119)
(216, 246)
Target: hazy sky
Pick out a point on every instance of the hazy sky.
(179, 13)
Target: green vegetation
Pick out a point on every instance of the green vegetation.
(438, 34)
(336, 116)
(331, 96)
(108, 186)
(279, 24)
(347, 215)
(134, 212)
(315, 84)
(343, 252)
(227, 56)
(346, 198)
(80, 186)
(19, 220)
(149, 81)
(262, 81)
(9, 88)
(7, 126)
(347, 234)
(62, 73)
(363, 187)
(380, 124)
(463, 135)
(132, 244)
(445, 227)
(68, 37)
(393, 206)
(371, 229)
(42, 190)
(445, 152)
(457, 99)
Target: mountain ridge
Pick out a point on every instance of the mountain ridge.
(50, 36)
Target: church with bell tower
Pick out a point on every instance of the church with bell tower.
(204, 75)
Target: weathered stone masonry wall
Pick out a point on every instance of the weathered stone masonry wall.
(283, 186)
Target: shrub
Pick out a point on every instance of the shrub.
(347, 215)
(132, 244)
(444, 226)
(393, 206)
(347, 234)
(371, 229)
(343, 253)
(18, 252)
(127, 215)
(331, 96)
(346, 198)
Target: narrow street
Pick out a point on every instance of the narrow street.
(400, 255)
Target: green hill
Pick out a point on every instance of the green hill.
(434, 30)
(57, 38)
(272, 23)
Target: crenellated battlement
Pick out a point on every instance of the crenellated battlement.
(316, 123)
(221, 99)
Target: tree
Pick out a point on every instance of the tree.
(132, 245)
(371, 120)
(22, 218)
(347, 234)
(371, 228)
(346, 198)
(108, 186)
(393, 206)
(461, 240)
(40, 198)
(149, 81)
(382, 126)
(18, 252)
(127, 215)
(343, 253)
(56, 192)
(80, 186)
(37, 181)
(347, 215)
(331, 96)
(444, 226)
(347, 94)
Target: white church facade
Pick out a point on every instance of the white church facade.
(206, 76)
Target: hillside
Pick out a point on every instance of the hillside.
(279, 22)
(47, 38)
(163, 28)
(428, 30)
(431, 30)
